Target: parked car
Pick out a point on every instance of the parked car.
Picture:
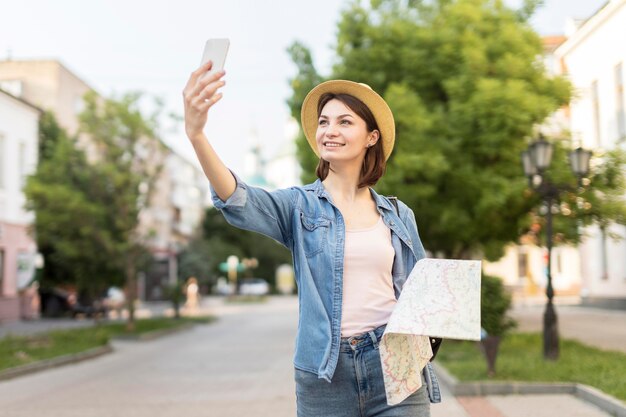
(59, 302)
(254, 286)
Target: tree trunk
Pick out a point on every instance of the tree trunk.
(131, 290)
(490, 346)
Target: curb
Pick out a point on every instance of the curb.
(592, 395)
(88, 354)
(54, 362)
(153, 334)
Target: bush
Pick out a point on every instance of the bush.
(495, 302)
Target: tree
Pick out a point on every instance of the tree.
(130, 159)
(493, 318)
(221, 240)
(467, 88)
(70, 223)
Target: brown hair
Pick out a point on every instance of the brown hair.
(374, 163)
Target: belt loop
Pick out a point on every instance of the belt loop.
(374, 339)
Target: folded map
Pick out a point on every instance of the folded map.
(441, 298)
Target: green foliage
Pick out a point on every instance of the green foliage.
(305, 80)
(494, 304)
(195, 261)
(600, 202)
(221, 240)
(70, 220)
(87, 212)
(520, 358)
(129, 161)
(467, 90)
(174, 293)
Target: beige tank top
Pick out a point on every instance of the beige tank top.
(368, 294)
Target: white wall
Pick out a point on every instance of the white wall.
(19, 138)
(592, 54)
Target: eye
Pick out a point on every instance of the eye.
(322, 122)
(346, 122)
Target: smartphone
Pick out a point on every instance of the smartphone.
(215, 50)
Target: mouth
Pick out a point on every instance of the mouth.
(333, 144)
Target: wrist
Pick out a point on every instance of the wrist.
(197, 137)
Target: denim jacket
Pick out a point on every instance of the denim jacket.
(305, 220)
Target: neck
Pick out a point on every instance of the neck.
(342, 183)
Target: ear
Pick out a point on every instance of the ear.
(374, 135)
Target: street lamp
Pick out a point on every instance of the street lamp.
(536, 160)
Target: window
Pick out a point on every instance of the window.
(1, 161)
(595, 102)
(22, 163)
(1, 270)
(619, 102)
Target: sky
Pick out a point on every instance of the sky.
(152, 46)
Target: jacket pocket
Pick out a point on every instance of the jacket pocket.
(314, 233)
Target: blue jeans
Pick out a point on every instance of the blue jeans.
(357, 388)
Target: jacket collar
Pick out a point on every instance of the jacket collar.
(318, 188)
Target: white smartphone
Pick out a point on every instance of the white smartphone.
(215, 50)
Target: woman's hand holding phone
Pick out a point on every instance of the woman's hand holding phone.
(200, 94)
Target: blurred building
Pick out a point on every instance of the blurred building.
(177, 209)
(283, 168)
(175, 206)
(524, 266)
(19, 131)
(594, 59)
(280, 170)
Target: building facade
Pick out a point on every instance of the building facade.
(19, 130)
(594, 59)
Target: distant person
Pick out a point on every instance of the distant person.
(191, 293)
(352, 249)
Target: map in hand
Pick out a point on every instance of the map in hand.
(441, 298)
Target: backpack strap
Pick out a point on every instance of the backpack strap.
(394, 201)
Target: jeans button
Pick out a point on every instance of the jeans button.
(354, 342)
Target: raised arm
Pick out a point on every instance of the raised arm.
(200, 94)
(243, 206)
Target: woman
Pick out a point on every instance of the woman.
(352, 249)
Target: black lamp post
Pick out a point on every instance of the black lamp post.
(536, 161)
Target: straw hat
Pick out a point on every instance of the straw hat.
(376, 104)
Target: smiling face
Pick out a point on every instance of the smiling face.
(341, 134)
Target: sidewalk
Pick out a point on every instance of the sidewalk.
(540, 405)
(604, 329)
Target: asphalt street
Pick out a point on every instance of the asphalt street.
(241, 365)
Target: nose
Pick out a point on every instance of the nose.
(331, 130)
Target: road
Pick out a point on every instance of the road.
(239, 365)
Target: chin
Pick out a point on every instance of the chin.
(335, 159)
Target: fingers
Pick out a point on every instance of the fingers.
(210, 102)
(204, 88)
(205, 81)
(208, 91)
(202, 69)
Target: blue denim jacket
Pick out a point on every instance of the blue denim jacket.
(304, 220)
